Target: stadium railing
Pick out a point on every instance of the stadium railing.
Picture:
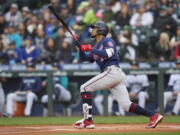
(89, 70)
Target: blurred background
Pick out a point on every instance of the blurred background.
(147, 34)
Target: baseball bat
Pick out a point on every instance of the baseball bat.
(62, 21)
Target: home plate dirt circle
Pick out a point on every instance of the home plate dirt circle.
(100, 128)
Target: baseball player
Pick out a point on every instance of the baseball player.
(29, 90)
(112, 78)
(173, 91)
(137, 86)
(61, 93)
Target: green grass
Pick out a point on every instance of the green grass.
(172, 133)
(99, 120)
(71, 120)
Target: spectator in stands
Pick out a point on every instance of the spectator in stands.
(173, 91)
(39, 42)
(89, 17)
(26, 14)
(122, 18)
(13, 36)
(29, 52)
(89, 13)
(61, 35)
(67, 16)
(133, 6)
(128, 41)
(116, 6)
(13, 16)
(56, 4)
(60, 89)
(29, 90)
(44, 14)
(67, 52)
(22, 31)
(32, 25)
(101, 7)
(52, 27)
(2, 97)
(77, 26)
(175, 44)
(171, 12)
(13, 54)
(163, 49)
(3, 24)
(165, 23)
(142, 18)
(5, 41)
(108, 14)
(71, 6)
(138, 86)
(176, 15)
(164, 2)
(2, 53)
(51, 52)
(152, 6)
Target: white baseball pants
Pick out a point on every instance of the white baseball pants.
(29, 97)
(142, 97)
(65, 95)
(113, 80)
(168, 96)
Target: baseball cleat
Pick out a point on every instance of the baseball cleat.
(5, 115)
(84, 124)
(154, 120)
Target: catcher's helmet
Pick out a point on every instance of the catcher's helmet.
(102, 28)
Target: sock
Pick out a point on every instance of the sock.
(139, 110)
(87, 105)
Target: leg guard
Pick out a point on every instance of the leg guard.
(87, 105)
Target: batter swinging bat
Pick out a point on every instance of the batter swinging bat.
(62, 21)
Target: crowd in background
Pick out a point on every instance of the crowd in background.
(144, 30)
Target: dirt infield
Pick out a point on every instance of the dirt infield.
(101, 128)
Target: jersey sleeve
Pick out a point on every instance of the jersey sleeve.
(108, 49)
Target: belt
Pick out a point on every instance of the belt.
(111, 67)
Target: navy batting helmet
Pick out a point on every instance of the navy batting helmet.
(101, 27)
